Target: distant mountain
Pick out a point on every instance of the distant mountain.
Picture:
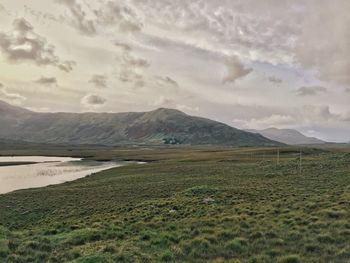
(161, 126)
(287, 136)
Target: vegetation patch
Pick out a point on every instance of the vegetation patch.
(188, 205)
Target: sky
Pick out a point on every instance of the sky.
(249, 63)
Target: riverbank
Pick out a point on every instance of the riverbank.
(15, 163)
(46, 171)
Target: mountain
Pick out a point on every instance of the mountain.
(287, 136)
(161, 126)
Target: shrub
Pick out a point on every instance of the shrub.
(200, 190)
(290, 259)
(324, 238)
(236, 246)
(167, 256)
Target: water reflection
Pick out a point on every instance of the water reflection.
(46, 171)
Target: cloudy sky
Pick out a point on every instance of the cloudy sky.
(248, 63)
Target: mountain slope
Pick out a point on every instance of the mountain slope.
(287, 136)
(154, 127)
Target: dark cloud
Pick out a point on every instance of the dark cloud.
(78, 17)
(139, 83)
(66, 66)
(23, 44)
(123, 46)
(167, 81)
(235, 70)
(171, 81)
(47, 81)
(310, 91)
(130, 68)
(135, 62)
(130, 75)
(99, 81)
(275, 80)
(92, 100)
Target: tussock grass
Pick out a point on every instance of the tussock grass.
(187, 205)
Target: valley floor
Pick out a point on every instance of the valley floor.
(186, 205)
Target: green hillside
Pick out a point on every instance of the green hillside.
(162, 126)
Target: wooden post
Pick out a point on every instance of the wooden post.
(278, 156)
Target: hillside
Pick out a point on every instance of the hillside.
(161, 126)
(287, 136)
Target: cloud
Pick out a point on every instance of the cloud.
(305, 116)
(93, 101)
(130, 68)
(47, 81)
(235, 70)
(2, 8)
(24, 45)
(310, 35)
(167, 102)
(13, 98)
(229, 28)
(122, 46)
(324, 40)
(78, 17)
(113, 15)
(135, 62)
(99, 81)
(163, 101)
(310, 91)
(166, 81)
(171, 82)
(186, 108)
(275, 80)
(42, 16)
(119, 14)
(274, 120)
(66, 66)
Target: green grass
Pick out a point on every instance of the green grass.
(187, 205)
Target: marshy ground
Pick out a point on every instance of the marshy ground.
(186, 205)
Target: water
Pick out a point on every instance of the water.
(46, 171)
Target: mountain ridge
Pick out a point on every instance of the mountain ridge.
(287, 136)
(160, 126)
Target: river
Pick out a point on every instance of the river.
(46, 171)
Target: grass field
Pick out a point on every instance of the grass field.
(186, 205)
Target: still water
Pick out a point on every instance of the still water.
(46, 171)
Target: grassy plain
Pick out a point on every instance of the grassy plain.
(185, 205)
